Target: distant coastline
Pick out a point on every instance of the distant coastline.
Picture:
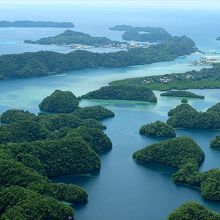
(27, 24)
(44, 63)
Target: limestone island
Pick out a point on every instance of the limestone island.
(185, 116)
(193, 211)
(74, 38)
(185, 155)
(142, 34)
(34, 148)
(59, 102)
(215, 144)
(44, 63)
(133, 93)
(157, 129)
(47, 24)
(185, 94)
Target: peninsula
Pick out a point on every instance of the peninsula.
(27, 24)
(204, 79)
(44, 63)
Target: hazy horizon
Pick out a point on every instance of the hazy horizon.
(165, 4)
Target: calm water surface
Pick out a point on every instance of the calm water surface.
(126, 190)
(122, 189)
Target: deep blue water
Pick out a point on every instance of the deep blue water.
(126, 190)
(122, 189)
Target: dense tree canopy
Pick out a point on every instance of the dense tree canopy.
(185, 155)
(158, 129)
(35, 147)
(21, 131)
(203, 79)
(54, 122)
(175, 152)
(94, 112)
(181, 93)
(185, 116)
(95, 138)
(58, 157)
(193, 211)
(15, 115)
(44, 63)
(215, 143)
(214, 108)
(123, 92)
(72, 37)
(20, 203)
(59, 102)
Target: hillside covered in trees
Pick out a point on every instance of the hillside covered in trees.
(157, 129)
(193, 211)
(124, 92)
(185, 155)
(45, 63)
(180, 93)
(207, 78)
(34, 148)
(72, 37)
(185, 116)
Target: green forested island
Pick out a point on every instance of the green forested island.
(151, 34)
(218, 38)
(185, 116)
(121, 27)
(34, 148)
(157, 129)
(94, 112)
(203, 79)
(175, 152)
(125, 92)
(185, 94)
(185, 155)
(45, 63)
(50, 24)
(59, 102)
(73, 37)
(215, 144)
(193, 211)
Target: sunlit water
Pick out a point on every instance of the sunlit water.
(122, 189)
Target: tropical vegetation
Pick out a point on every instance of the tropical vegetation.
(157, 129)
(193, 211)
(34, 148)
(134, 93)
(186, 156)
(180, 93)
(44, 63)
